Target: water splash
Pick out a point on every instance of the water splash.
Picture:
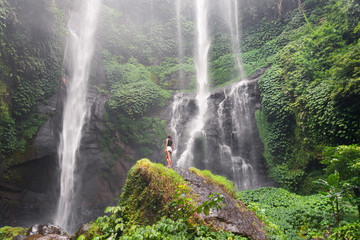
(201, 66)
(77, 60)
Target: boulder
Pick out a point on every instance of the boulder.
(233, 216)
(45, 229)
(47, 237)
(19, 237)
(150, 190)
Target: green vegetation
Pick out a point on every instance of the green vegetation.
(133, 96)
(146, 133)
(8, 233)
(30, 67)
(167, 73)
(310, 94)
(344, 162)
(157, 204)
(300, 217)
(133, 92)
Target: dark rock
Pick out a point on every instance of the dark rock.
(82, 230)
(233, 217)
(19, 237)
(229, 144)
(47, 237)
(45, 229)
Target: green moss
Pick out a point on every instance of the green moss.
(217, 180)
(148, 189)
(8, 233)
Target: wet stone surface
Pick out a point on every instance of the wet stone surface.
(233, 216)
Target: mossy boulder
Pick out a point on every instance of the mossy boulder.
(152, 192)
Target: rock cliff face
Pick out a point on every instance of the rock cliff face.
(30, 196)
(229, 144)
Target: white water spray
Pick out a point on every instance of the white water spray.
(232, 20)
(180, 41)
(201, 65)
(77, 59)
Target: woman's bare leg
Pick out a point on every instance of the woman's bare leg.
(168, 158)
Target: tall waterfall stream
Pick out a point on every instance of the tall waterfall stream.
(201, 65)
(218, 133)
(77, 58)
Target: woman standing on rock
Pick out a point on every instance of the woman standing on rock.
(168, 149)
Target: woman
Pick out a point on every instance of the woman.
(168, 149)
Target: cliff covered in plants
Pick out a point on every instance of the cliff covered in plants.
(31, 39)
(310, 93)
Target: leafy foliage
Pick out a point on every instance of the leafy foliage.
(133, 92)
(224, 69)
(334, 194)
(8, 233)
(170, 70)
(346, 161)
(123, 131)
(297, 216)
(347, 231)
(310, 93)
(30, 66)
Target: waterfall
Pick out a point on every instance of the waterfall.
(218, 131)
(77, 59)
(243, 173)
(237, 146)
(179, 39)
(230, 13)
(201, 65)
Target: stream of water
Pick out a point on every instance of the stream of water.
(77, 59)
(202, 78)
(219, 135)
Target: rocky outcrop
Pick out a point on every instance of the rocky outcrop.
(151, 190)
(233, 216)
(43, 232)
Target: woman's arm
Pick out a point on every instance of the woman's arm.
(166, 143)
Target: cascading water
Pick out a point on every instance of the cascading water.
(77, 58)
(243, 173)
(230, 13)
(201, 65)
(235, 120)
(218, 131)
